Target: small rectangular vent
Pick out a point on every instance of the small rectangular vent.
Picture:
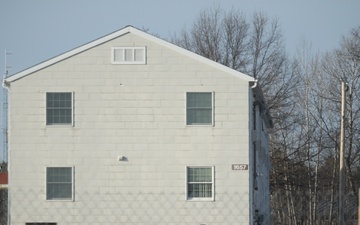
(128, 55)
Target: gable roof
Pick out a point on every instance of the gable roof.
(119, 33)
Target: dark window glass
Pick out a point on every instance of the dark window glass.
(58, 183)
(58, 108)
(199, 108)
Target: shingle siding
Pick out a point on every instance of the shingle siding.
(136, 111)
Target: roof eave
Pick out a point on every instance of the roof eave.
(260, 100)
(66, 55)
(121, 32)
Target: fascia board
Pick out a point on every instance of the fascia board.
(192, 55)
(66, 55)
(128, 29)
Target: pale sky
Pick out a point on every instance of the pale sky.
(36, 30)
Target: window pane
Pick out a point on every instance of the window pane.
(118, 55)
(139, 55)
(61, 174)
(58, 108)
(199, 100)
(40, 223)
(58, 183)
(200, 182)
(49, 100)
(59, 191)
(199, 175)
(199, 116)
(200, 190)
(129, 55)
(199, 108)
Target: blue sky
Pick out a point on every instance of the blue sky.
(36, 30)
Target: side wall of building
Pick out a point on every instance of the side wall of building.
(261, 173)
(135, 111)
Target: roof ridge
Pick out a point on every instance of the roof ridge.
(113, 35)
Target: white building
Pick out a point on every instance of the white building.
(130, 129)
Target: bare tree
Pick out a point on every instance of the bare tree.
(344, 64)
(219, 36)
(304, 99)
(254, 47)
(352, 43)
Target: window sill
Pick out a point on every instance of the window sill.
(60, 200)
(128, 63)
(200, 200)
(59, 126)
(200, 125)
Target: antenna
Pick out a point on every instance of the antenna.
(4, 113)
(6, 65)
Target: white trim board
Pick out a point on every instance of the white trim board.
(116, 34)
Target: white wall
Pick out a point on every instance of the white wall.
(137, 111)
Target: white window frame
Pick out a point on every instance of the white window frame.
(72, 110)
(212, 198)
(212, 109)
(130, 61)
(40, 223)
(72, 184)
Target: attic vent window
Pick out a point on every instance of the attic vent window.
(128, 55)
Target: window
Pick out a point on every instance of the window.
(40, 223)
(59, 108)
(128, 55)
(200, 183)
(199, 108)
(59, 183)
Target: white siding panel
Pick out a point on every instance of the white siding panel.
(135, 111)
